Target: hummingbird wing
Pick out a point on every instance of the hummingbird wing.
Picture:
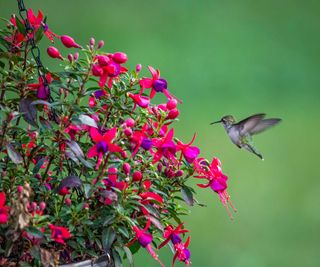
(246, 125)
(264, 125)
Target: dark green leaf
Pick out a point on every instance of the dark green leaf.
(108, 220)
(21, 27)
(129, 255)
(38, 165)
(116, 258)
(29, 111)
(108, 237)
(85, 119)
(70, 182)
(187, 195)
(39, 34)
(122, 230)
(135, 247)
(35, 252)
(14, 155)
(2, 65)
(35, 232)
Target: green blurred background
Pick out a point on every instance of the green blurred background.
(228, 57)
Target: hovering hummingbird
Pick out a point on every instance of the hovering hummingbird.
(241, 132)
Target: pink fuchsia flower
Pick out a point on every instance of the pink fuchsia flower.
(172, 234)
(112, 180)
(108, 68)
(73, 130)
(165, 147)
(217, 181)
(190, 153)
(148, 198)
(42, 90)
(156, 83)
(139, 100)
(3, 209)
(103, 144)
(182, 252)
(140, 139)
(69, 42)
(59, 233)
(145, 239)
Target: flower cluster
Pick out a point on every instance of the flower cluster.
(88, 164)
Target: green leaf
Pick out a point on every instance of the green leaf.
(35, 232)
(187, 195)
(108, 220)
(70, 182)
(29, 111)
(134, 248)
(35, 252)
(116, 258)
(39, 34)
(85, 119)
(38, 165)
(108, 237)
(21, 27)
(13, 154)
(129, 255)
(122, 230)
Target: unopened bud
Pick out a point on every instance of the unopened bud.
(137, 176)
(75, 56)
(174, 113)
(68, 202)
(42, 205)
(138, 67)
(54, 52)
(92, 42)
(126, 168)
(70, 57)
(100, 44)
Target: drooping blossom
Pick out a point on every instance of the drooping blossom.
(147, 198)
(103, 144)
(172, 234)
(217, 181)
(165, 147)
(145, 238)
(140, 100)
(182, 252)
(140, 139)
(112, 180)
(156, 84)
(190, 153)
(42, 90)
(3, 208)
(59, 233)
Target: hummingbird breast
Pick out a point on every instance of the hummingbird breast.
(234, 136)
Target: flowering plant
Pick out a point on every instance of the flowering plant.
(88, 165)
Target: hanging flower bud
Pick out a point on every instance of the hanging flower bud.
(70, 57)
(120, 57)
(92, 42)
(137, 176)
(126, 168)
(174, 113)
(172, 103)
(100, 44)
(54, 52)
(69, 42)
(75, 56)
(138, 67)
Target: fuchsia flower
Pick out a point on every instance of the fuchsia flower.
(3, 209)
(145, 239)
(172, 234)
(139, 100)
(59, 233)
(182, 252)
(112, 180)
(156, 83)
(217, 181)
(103, 144)
(140, 139)
(165, 147)
(148, 198)
(189, 152)
(42, 90)
(108, 67)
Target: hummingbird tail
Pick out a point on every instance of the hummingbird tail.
(253, 150)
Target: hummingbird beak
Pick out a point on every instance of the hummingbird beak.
(215, 122)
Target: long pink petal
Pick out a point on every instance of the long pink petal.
(2, 199)
(95, 135)
(155, 74)
(110, 135)
(146, 82)
(92, 152)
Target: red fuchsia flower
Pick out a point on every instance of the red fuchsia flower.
(59, 233)
(156, 83)
(145, 239)
(3, 209)
(190, 153)
(42, 90)
(112, 180)
(217, 181)
(172, 234)
(148, 198)
(17, 38)
(54, 52)
(73, 130)
(140, 139)
(165, 147)
(69, 42)
(140, 100)
(182, 252)
(109, 68)
(103, 144)
(96, 95)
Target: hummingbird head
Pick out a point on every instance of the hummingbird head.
(226, 120)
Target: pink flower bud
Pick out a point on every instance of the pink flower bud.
(100, 44)
(179, 173)
(137, 176)
(11, 116)
(38, 176)
(127, 131)
(34, 206)
(162, 107)
(124, 154)
(54, 52)
(68, 202)
(126, 168)
(75, 56)
(20, 189)
(174, 113)
(69, 42)
(97, 70)
(92, 41)
(85, 206)
(159, 167)
(172, 103)
(103, 60)
(138, 67)
(120, 57)
(130, 122)
(70, 57)
(42, 205)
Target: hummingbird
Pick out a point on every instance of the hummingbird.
(241, 132)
